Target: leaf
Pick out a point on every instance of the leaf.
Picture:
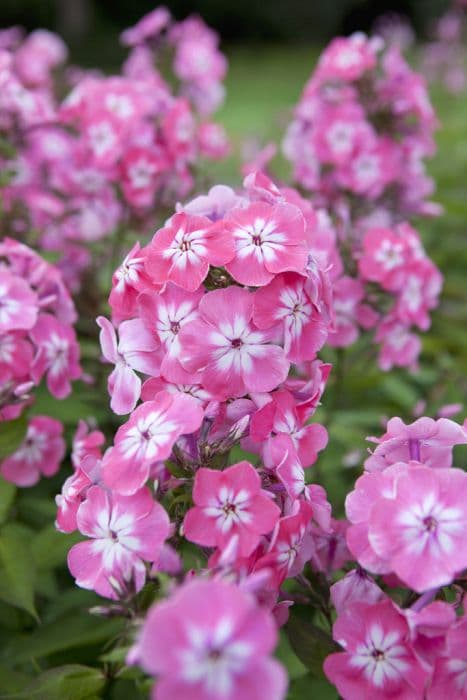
(310, 643)
(7, 496)
(12, 434)
(17, 572)
(310, 687)
(50, 548)
(71, 682)
(12, 681)
(67, 632)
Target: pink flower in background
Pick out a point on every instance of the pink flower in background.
(234, 356)
(183, 251)
(227, 504)
(136, 350)
(210, 641)
(126, 531)
(57, 355)
(377, 661)
(18, 303)
(148, 437)
(40, 453)
(268, 240)
(420, 531)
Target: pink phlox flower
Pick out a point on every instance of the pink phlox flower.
(230, 503)
(377, 658)
(126, 531)
(40, 453)
(183, 251)
(234, 356)
(148, 437)
(210, 640)
(136, 349)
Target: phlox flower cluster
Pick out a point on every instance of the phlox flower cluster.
(362, 130)
(209, 319)
(103, 157)
(443, 57)
(37, 342)
(408, 524)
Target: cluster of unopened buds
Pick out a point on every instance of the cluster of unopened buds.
(37, 341)
(115, 148)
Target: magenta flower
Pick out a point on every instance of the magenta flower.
(210, 641)
(126, 531)
(135, 351)
(182, 251)
(148, 437)
(234, 356)
(377, 661)
(230, 503)
(421, 531)
(40, 453)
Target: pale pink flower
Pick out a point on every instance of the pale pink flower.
(450, 669)
(148, 437)
(421, 531)
(268, 240)
(86, 442)
(136, 349)
(18, 303)
(234, 357)
(126, 531)
(230, 503)
(182, 251)
(288, 301)
(378, 660)
(57, 355)
(210, 641)
(426, 440)
(40, 453)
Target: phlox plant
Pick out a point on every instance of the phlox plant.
(358, 141)
(87, 156)
(37, 343)
(194, 513)
(215, 329)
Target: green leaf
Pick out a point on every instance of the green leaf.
(310, 687)
(79, 629)
(310, 643)
(16, 570)
(12, 434)
(72, 682)
(12, 681)
(50, 548)
(7, 496)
